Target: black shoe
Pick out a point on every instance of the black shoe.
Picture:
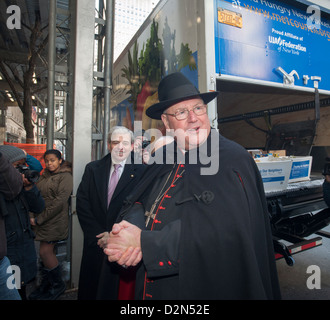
(57, 285)
(43, 287)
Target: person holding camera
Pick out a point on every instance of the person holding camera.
(11, 184)
(19, 235)
(141, 148)
(30, 163)
(52, 225)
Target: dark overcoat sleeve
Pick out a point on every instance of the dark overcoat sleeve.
(35, 200)
(89, 223)
(162, 245)
(135, 216)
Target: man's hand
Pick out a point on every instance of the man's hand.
(103, 239)
(124, 244)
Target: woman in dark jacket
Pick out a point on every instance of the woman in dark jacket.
(20, 238)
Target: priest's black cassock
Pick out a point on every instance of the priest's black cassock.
(208, 236)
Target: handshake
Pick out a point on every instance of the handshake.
(122, 244)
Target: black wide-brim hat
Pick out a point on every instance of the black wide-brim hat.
(173, 89)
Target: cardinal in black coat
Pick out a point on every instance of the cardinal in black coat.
(198, 223)
(209, 236)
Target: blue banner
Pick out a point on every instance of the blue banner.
(264, 40)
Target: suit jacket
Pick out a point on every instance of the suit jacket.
(95, 217)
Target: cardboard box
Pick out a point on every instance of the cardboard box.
(278, 153)
(301, 169)
(258, 153)
(275, 172)
(255, 152)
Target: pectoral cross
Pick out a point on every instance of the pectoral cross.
(150, 214)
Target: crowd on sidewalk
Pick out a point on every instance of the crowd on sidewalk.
(195, 226)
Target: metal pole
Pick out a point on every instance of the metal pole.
(108, 61)
(99, 90)
(51, 73)
(70, 98)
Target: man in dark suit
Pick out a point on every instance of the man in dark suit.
(99, 201)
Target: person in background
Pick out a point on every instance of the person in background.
(141, 150)
(32, 162)
(99, 200)
(11, 184)
(20, 237)
(52, 225)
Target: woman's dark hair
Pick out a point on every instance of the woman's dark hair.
(54, 152)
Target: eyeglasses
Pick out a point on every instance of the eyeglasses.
(182, 114)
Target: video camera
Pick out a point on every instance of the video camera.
(326, 170)
(31, 175)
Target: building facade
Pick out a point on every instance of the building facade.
(129, 16)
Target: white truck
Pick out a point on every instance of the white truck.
(269, 60)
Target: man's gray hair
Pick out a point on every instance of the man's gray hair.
(120, 129)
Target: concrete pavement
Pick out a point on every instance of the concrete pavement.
(293, 280)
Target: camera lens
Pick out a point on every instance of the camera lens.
(32, 176)
(145, 144)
